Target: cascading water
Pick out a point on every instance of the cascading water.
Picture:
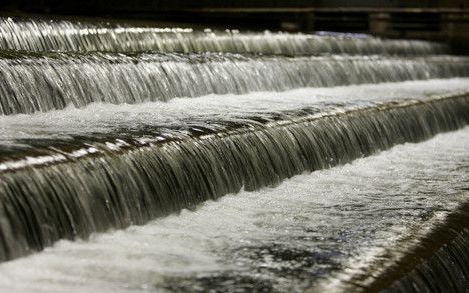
(97, 131)
(40, 83)
(31, 84)
(312, 232)
(147, 182)
(44, 36)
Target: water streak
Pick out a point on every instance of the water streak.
(67, 181)
(66, 36)
(310, 228)
(29, 84)
(80, 195)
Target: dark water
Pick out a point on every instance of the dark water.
(445, 270)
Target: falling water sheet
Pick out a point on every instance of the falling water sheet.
(92, 190)
(32, 83)
(23, 133)
(59, 35)
(259, 262)
(155, 179)
(312, 231)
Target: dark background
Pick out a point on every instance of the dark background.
(438, 20)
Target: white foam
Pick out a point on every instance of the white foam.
(358, 210)
(104, 118)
